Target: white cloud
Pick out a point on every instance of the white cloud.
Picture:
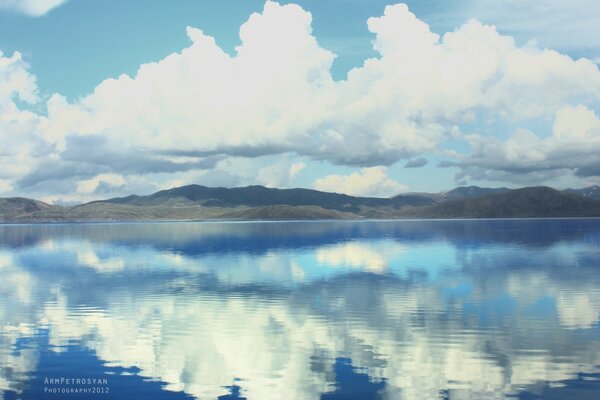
(576, 123)
(472, 67)
(573, 146)
(89, 185)
(15, 81)
(272, 176)
(33, 8)
(279, 175)
(296, 168)
(275, 95)
(205, 100)
(372, 181)
(5, 186)
(278, 85)
(18, 127)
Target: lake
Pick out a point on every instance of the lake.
(480, 309)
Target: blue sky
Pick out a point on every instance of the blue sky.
(522, 111)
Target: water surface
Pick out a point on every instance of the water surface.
(302, 310)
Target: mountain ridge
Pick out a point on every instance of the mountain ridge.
(257, 196)
(592, 192)
(528, 202)
(196, 202)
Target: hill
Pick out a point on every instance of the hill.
(591, 192)
(286, 212)
(458, 193)
(260, 196)
(196, 202)
(14, 207)
(471, 192)
(529, 202)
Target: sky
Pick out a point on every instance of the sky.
(104, 98)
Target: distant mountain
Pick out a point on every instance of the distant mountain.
(286, 212)
(471, 192)
(196, 202)
(462, 192)
(530, 202)
(435, 197)
(260, 196)
(14, 207)
(591, 192)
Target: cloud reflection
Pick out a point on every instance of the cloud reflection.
(372, 257)
(484, 323)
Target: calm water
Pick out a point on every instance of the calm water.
(301, 310)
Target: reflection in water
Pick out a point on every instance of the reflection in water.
(336, 310)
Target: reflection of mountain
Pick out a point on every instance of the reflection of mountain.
(481, 321)
(258, 237)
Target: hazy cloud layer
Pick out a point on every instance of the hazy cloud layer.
(553, 23)
(416, 163)
(32, 8)
(275, 95)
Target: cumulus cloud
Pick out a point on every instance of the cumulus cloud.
(372, 181)
(573, 146)
(202, 99)
(32, 8)
(275, 95)
(280, 174)
(296, 168)
(20, 144)
(16, 81)
(5, 186)
(90, 185)
(473, 67)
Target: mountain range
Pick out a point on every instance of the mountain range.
(195, 202)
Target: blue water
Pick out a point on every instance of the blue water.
(500, 309)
